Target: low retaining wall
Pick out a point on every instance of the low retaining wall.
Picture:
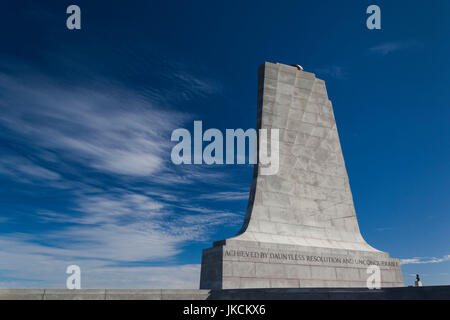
(404, 293)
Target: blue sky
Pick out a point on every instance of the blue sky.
(86, 118)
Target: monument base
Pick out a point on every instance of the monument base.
(403, 293)
(235, 264)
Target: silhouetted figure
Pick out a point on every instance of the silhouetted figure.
(417, 283)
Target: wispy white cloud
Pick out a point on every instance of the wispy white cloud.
(423, 260)
(225, 196)
(21, 169)
(32, 265)
(393, 46)
(148, 228)
(102, 235)
(337, 72)
(77, 132)
(171, 277)
(110, 131)
(194, 85)
(189, 174)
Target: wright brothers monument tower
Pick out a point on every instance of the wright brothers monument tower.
(300, 229)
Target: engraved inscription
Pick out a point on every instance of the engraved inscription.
(309, 258)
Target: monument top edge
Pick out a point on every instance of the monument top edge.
(288, 67)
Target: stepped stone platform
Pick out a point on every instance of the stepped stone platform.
(401, 293)
(300, 228)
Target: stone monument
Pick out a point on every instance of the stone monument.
(300, 228)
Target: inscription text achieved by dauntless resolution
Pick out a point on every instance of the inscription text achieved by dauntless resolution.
(308, 258)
